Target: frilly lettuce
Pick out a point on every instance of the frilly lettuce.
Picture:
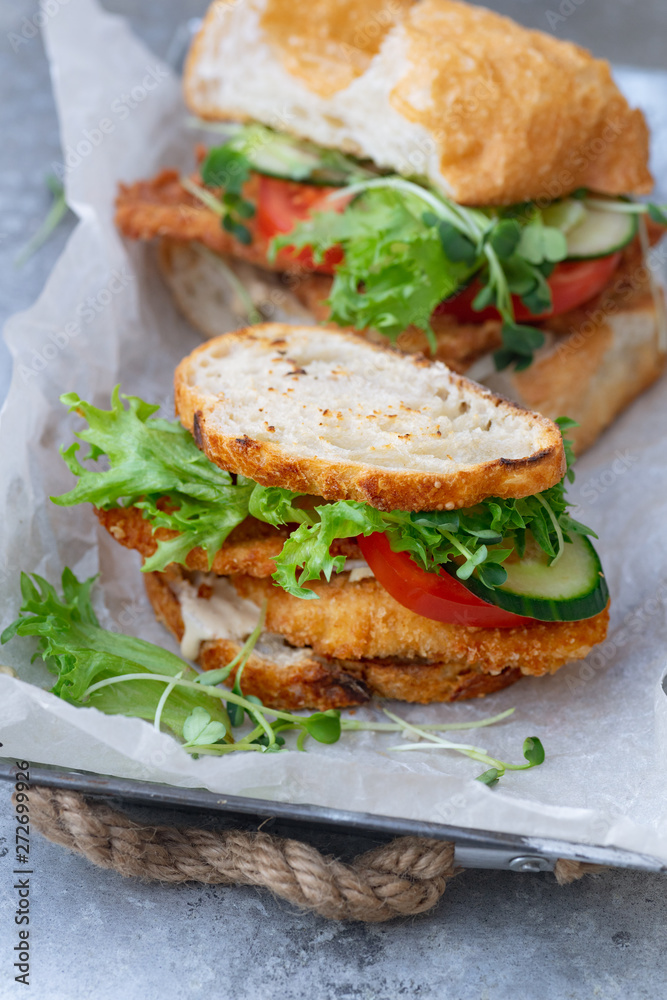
(154, 464)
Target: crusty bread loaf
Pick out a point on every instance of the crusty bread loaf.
(325, 412)
(490, 112)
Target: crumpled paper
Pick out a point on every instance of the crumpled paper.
(104, 317)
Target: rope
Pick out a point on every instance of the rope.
(403, 878)
(567, 871)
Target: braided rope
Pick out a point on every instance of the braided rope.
(403, 878)
(567, 871)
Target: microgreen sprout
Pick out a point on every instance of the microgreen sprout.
(163, 699)
(533, 751)
(199, 728)
(204, 196)
(54, 217)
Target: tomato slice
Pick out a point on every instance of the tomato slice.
(572, 284)
(440, 597)
(281, 204)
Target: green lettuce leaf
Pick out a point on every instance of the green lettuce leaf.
(154, 465)
(395, 270)
(81, 653)
(407, 249)
(305, 555)
(105, 670)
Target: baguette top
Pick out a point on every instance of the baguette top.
(490, 112)
(324, 412)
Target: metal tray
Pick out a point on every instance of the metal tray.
(474, 848)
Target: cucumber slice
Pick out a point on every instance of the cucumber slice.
(571, 590)
(600, 233)
(564, 215)
(286, 158)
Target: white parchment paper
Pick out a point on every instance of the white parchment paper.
(104, 317)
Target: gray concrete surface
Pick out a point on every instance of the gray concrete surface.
(495, 935)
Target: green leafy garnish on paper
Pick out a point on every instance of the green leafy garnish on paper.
(533, 751)
(122, 675)
(82, 654)
(155, 465)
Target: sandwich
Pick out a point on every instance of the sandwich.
(425, 172)
(398, 530)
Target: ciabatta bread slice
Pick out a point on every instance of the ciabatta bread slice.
(488, 111)
(324, 412)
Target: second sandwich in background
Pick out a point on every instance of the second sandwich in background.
(406, 530)
(427, 172)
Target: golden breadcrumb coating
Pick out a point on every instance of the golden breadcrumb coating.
(362, 620)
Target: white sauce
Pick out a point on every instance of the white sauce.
(358, 570)
(224, 615)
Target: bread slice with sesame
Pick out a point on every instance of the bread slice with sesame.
(326, 413)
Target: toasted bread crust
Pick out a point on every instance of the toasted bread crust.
(383, 488)
(313, 682)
